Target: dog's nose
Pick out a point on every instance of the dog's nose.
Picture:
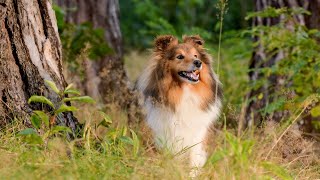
(197, 63)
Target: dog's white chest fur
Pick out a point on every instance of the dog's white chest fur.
(186, 127)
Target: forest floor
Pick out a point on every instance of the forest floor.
(274, 151)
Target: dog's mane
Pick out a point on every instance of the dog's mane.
(155, 84)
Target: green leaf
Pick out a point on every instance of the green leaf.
(276, 170)
(57, 129)
(106, 120)
(136, 143)
(65, 108)
(35, 121)
(267, 12)
(124, 131)
(71, 91)
(217, 156)
(85, 99)
(315, 112)
(300, 10)
(126, 139)
(40, 99)
(30, 136)
(43, 116)
(53, 86)
(33, 139)
(69, 86)
(27, 131)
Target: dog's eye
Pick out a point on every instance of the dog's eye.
(180, 56)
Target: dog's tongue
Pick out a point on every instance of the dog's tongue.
(194, 75)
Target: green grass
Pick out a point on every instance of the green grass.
(115, 156)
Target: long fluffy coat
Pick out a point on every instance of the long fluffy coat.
(180, 112)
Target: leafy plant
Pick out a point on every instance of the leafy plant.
(117, 139)
(299, 64)
(80, 41)
(44, 123)
(237, 154)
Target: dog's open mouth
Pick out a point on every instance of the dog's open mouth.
(192, 76)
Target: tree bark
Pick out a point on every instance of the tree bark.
(260, 59)
(30, 52)
(106, 79)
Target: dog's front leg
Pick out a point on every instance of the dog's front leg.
(198, 158)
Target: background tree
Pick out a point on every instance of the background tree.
(30, 53)
(105, 78)
(264, 58)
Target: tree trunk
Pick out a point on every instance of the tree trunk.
(106, 79)
(260, 59)
(30, 52)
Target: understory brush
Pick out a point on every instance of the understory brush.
(119, 153)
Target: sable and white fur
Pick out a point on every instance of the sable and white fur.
(180, 109)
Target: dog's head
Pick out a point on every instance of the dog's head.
(184, 60)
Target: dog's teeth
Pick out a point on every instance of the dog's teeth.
(191, 75)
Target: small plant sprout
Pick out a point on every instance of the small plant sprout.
(44, 122)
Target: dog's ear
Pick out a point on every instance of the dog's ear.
(196, 40)
(163, 42)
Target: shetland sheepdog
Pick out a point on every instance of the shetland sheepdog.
(182, 95)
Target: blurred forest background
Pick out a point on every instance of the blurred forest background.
(141, 21)
(265, 52)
